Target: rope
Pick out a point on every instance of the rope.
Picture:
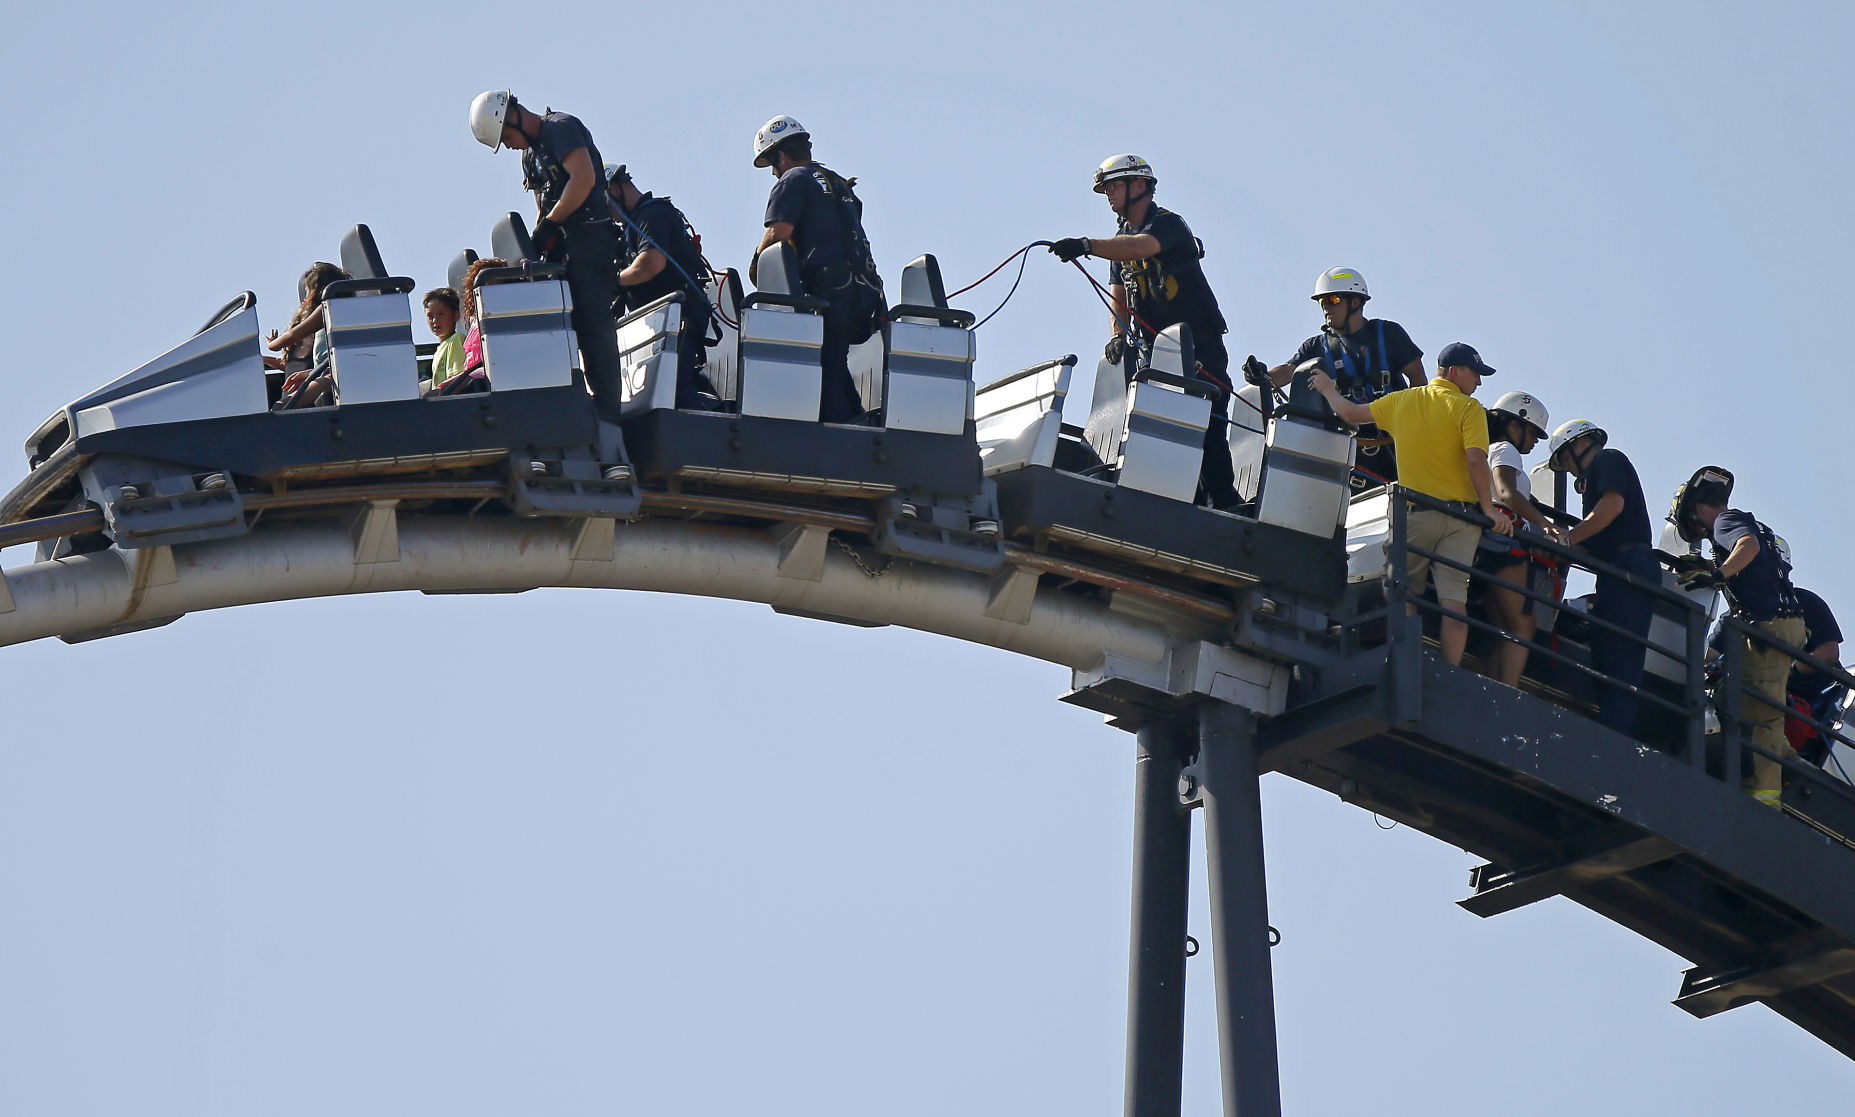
(1001, 267)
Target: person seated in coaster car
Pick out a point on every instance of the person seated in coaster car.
(305, 344)
(442, 312)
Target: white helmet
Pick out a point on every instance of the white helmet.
(773, 133)
(1526, 409)
(1341, 281)
(1571, 432)
(486, 116)
(1122, 166)
(615, 171)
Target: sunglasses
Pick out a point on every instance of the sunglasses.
(1332, 300)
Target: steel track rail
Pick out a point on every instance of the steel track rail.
(1201, 606)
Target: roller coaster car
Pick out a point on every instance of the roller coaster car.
(169, 451)
(1124, 484)
(919, 462)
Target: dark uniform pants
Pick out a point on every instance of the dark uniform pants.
(1612, 655)
(1217, 477)
(592, 278)
(692, 356)
(847, 313)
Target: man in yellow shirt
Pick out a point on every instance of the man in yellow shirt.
(1441, 437)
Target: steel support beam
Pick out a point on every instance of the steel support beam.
(1581, 862)
(1231, 792)
(1156, 962)
(1784, 968)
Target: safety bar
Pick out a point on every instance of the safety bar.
(773, 298)
(959, 319)
(1067, 359)
(238, 305)
(520, 273)
(1184, 384)
(649, 308)
(389, 285)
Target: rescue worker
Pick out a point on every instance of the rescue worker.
(1820, 693)
(1516, 423)
(1366, 356)
(818, 212)
(561, 165)
(1156, 282)
(1757, 579)
(1442, 437)
(661, 257)
(1615, 529)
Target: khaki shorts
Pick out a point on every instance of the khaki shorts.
(1447, 536)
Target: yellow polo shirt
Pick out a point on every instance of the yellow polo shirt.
(1432, 428)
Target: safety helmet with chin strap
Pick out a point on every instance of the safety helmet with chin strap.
(1341, 281)
(1571, 432)
(487, 114)
(1710, 484)
(616, 172)
(1521, 406)
(773, 133)
(1123, 166)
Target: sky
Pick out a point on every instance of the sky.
(573, 852)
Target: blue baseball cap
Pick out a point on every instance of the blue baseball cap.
(1462, 353)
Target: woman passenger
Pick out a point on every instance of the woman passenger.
(305, 343)
(1516, 423)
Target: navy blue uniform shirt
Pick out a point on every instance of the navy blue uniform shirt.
(663, 223)
(1820, 627)
(1760, 587)
(1170, 287)
(801, 200)
(544, 172)
(1361, 348)
(1611, 472)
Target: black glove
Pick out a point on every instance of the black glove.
(1069, 248)
(1255, 371)
(1115, 349)
(1702, 578)
(547, 238)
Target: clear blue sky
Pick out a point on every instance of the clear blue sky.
(687, 856)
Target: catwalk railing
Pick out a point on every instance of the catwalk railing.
(1676, 715)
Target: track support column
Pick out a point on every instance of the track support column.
(1156, 963)
(1232, 798)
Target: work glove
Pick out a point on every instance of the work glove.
(1070, 248)
(1701, 578)
(1255, 371)
(547, 238)
(1115, 349)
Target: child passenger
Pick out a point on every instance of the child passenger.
(442, 308)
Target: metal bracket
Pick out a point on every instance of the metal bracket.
(374, 527)
(1011, 595)
(595, 539)
(802, 548)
